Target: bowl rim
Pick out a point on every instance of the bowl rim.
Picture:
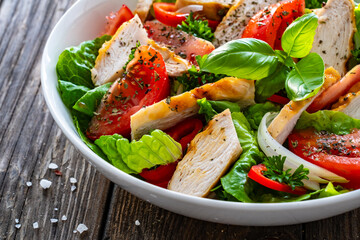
(109, 170)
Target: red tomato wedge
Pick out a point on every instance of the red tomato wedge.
(309, 141)
(330, 154)
(145, 84)
(270, 23)
(256, 174)
(333, 93)
(115, 20)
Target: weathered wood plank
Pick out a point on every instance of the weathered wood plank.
(157, 223)
(29, 139)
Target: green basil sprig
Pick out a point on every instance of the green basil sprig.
(254, 59)
(297, 40)
(246, 58)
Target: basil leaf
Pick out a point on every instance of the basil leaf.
(298, 38)
(246, 58)
(270, 85)
(306, 79)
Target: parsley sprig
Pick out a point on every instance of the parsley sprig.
(275, 171)
(195, 77)
(197, 27)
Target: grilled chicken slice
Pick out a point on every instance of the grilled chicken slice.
(115, 53)
(285, 121)
(349, 104)
(212, 9)
(334, 35)
(175, 65)
(169, 112)
(234, 23)
(209, 156)
(183, 44)
(142, 9)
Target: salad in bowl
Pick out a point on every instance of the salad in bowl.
(220, 106)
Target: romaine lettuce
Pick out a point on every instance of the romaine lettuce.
(158, 148)
(75, 63)
(255, 113)
(331, 121)
(88, 103)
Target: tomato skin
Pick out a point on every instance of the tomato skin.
(256, 174)
(278, 99)
(185, 131)
(166, 14)
(146, 83)
(161, 174)
(333, 93)
(306, 146)
(270, 23)
(115, 20)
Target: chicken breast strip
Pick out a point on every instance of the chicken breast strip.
(234, 23)
(171, 111)
(334, 35)
(209, 156)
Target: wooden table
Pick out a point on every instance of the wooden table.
(30, 140)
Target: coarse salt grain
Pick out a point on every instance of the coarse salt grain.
(74, 231)
(18, 226)
(35, 225)
(16, 220)
(56, 209)
(64, 218)
(53, 220)
(137, 223)
(45, 184)
(73, 188)
(73, 180)
(82, 228)
(53, 166)
(29, 184)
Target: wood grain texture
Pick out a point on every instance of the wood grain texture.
(30, 141)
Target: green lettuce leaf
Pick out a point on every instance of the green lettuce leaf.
(80, 121)
(75, 63)
(158, 148)
(330, 121)
(70, 92)
(255, 113)
(211, 108)
(88, 103)
(236, 182)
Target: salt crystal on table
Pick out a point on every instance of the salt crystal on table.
(53, 220)
(56, 209)
(18, 226)
(81, 228)
(73, 180)
(29, 184)
(74, 231)
(137, 223)
(64, 218)
(16, 220)
(53, 166)
(35, 225)
(45, 184)
(73, 188)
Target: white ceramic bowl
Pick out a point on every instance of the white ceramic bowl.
(84, 21)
